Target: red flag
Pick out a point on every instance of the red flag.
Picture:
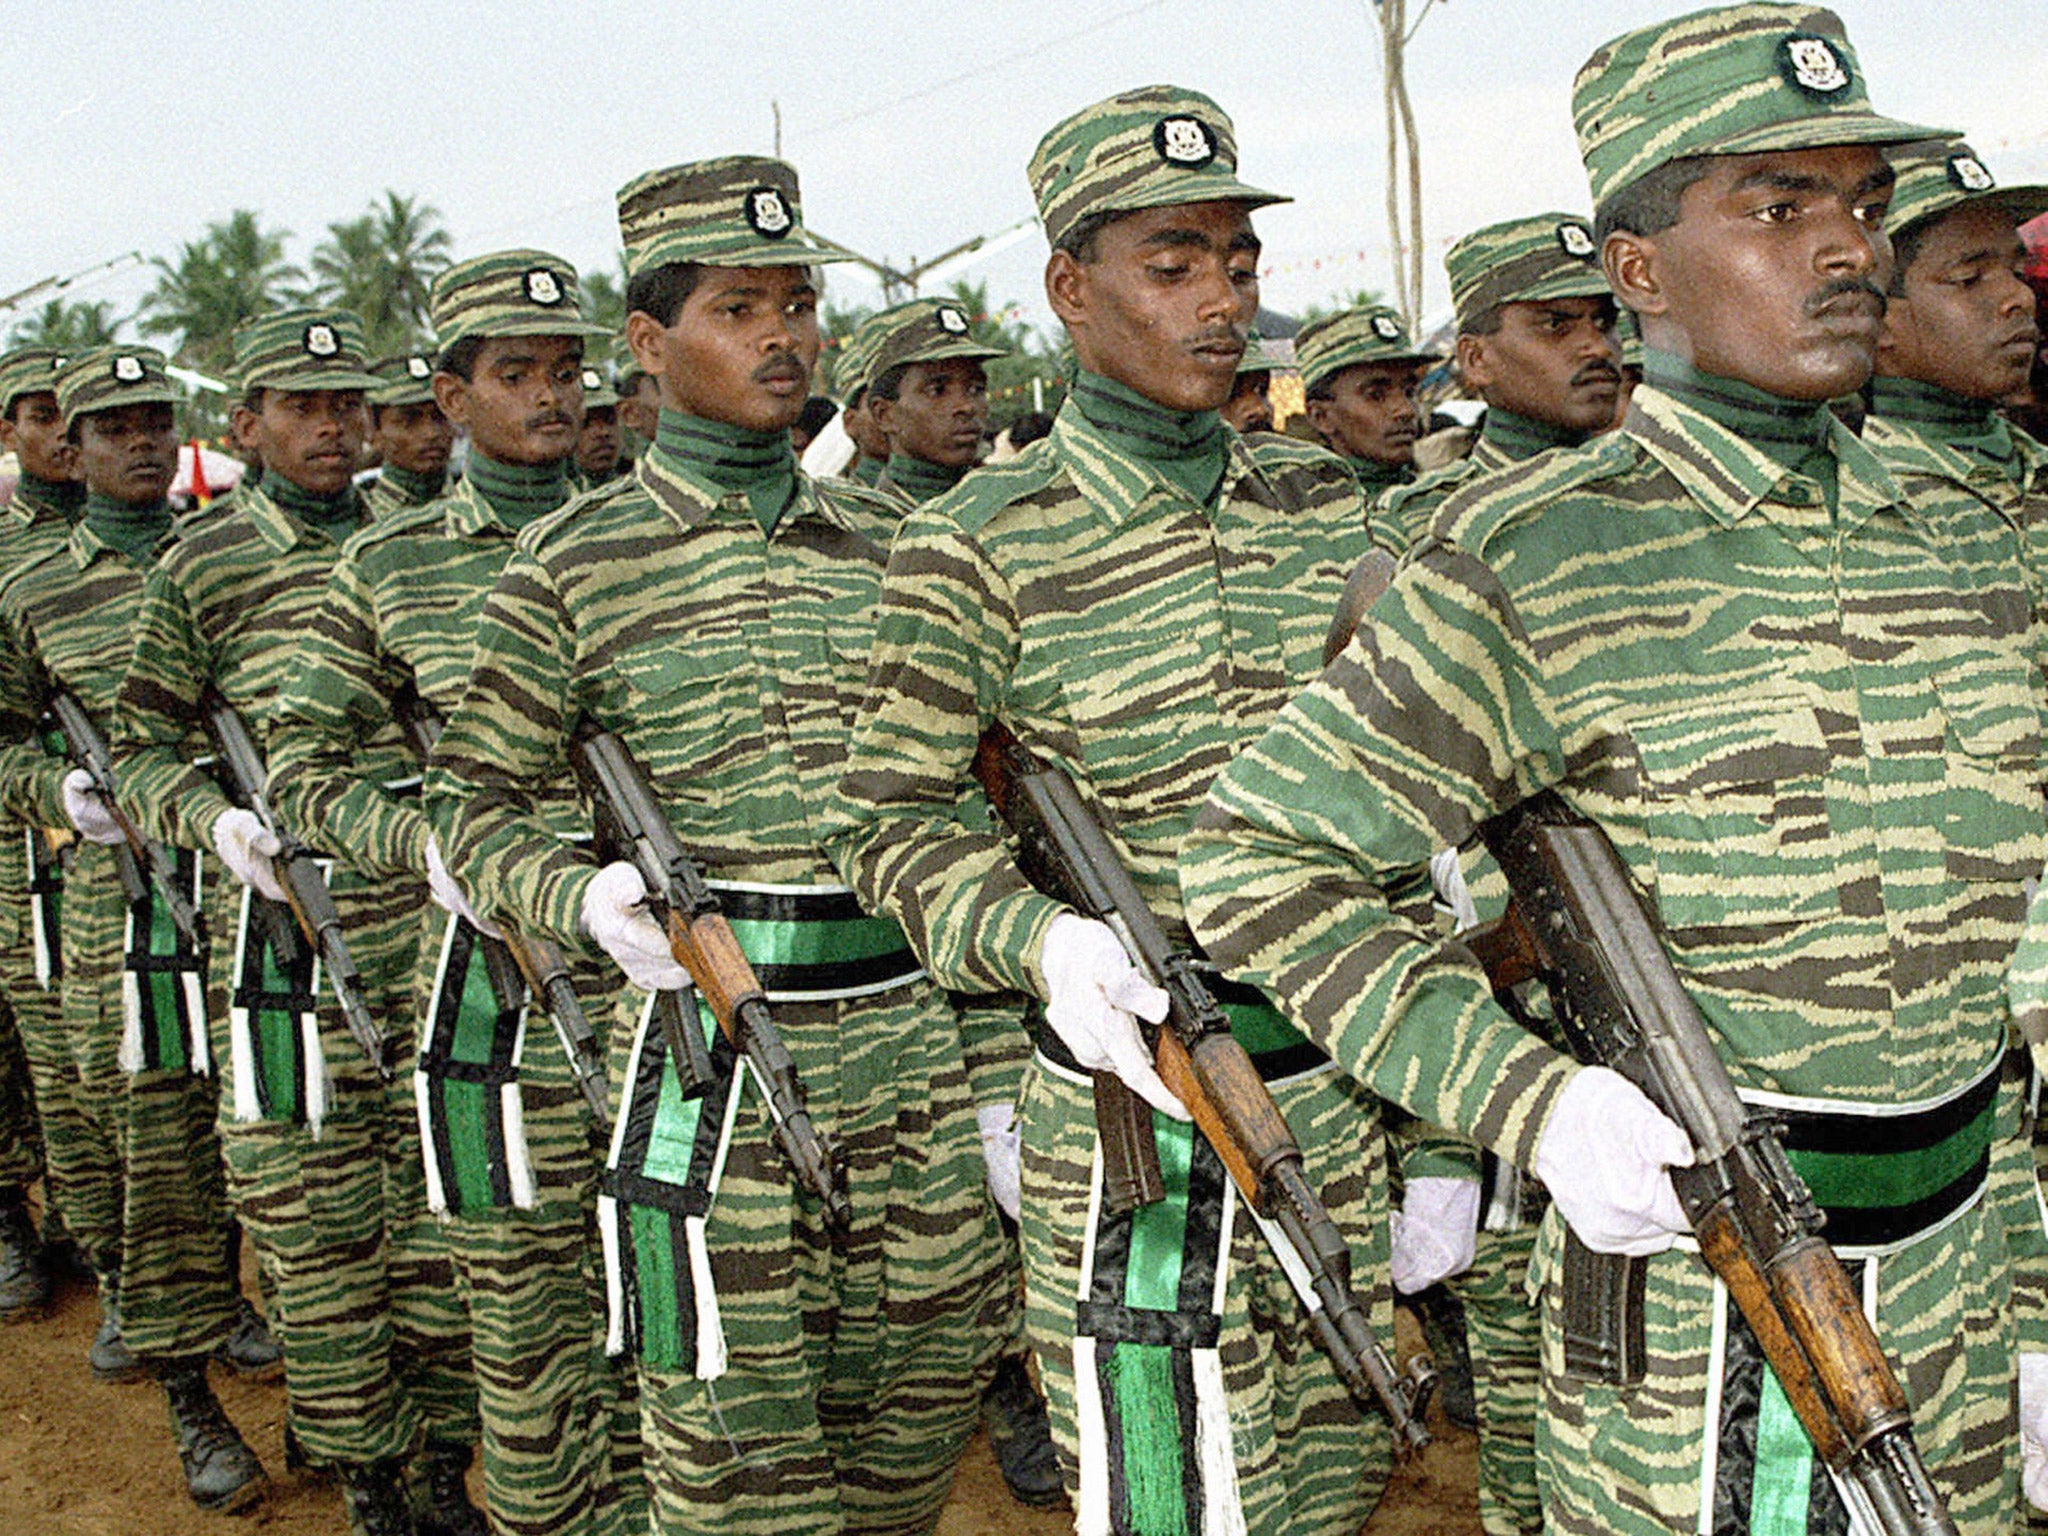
(201, 495)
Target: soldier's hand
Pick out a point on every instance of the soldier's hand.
(246, 846)
(1094, 998)
(1002, 1149)
(88, 812)
(1436, 1232)
(615, 915)
(2034, 1427)
(1606, 1157)
(448, 895)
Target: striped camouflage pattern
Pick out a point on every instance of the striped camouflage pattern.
(301, 349)
(28, 371)
(1735, 80)
(375, 1345)
(1504, 1336)
(1543, 256)
(1154, 147)
(386, 497)
(406, 378)
(1816, 756)
(1628, 338)
(1137, 642)
(734, 211)
(1942, 174)
(141, 1188)
(852, 362)
(508, 293)
(921, 331)
(1371, 333)
(401, 610)
(731, 666)
(1404, 513)
(110, 377)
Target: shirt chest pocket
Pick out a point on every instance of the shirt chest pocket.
(1991, 812)
(1735, 816)
(694, 721)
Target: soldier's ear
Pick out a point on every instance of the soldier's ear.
(647, 339)
(1474, 369)
(1066, 288)
(451, 393)
(1633, 272)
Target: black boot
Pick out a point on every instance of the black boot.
(24, 1278)
(108, 1357)
(373, 1498)
(221, 1473)
(1021, 1436)
(443, 1507)
(252, 1349)
(1443, 1328)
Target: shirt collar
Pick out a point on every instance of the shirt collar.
(1119, 485)
(470, 516)
(688, 502)
(1914, 448)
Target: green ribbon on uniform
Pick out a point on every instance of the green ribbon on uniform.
(1261, 1028)
(1142, 1374)
(777, 941)
(670, 1150)
(1781, 1482)
(274, 1030)
(1876, 1180)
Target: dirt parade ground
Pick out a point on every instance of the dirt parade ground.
(78, 1458)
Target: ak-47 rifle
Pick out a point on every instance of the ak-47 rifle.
(1064, 850)
(136, 853)
(632, 825)
(298, 872)
(536, 963)
(1579, 925)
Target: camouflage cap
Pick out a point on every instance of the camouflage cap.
(1737, 80)
(406, 378)
(735, 211)
(1546, 256)
(107, 378)
(922, 331)
(1934, 177)
(28, 371)
(301, 349)
(1370, 334)
(1259, 356)
(1156, 147)
(853, 360)
(596, 392)
(508, 293)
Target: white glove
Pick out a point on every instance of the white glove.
(615, 914)
(2034, 1428)
(1002, 1148)
(1605, 1157)
(88, 812)
(1436, 1232)
(448, 895)
(1449, 881)
(245, 845)
(1094, 997)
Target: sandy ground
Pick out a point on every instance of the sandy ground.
(81, 1459)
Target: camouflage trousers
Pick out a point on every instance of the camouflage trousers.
(376, 1345)
(21, 1138)
(1504, 1333)
(1308, 1458)
(855, 1365)
(1633, 1461)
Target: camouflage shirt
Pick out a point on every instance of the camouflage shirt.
(1125, 633)
(1815, 749)
(30, 529)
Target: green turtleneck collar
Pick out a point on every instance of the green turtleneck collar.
(1974, 426)
(415, 487)
(921, 479)
(723, 459)
(336, 516)
(65, 496)
(133, 530)
(1796, 435)
(1516, 437)
(1377, 474)
(518, 493)
(1188, 449)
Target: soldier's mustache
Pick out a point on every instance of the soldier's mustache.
(1843, 287)
(548, 419)
(1597, 373)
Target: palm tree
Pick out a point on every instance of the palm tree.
(382, 266)
(67, 326)
(604, 303)
(232, 272)
(1009, 378)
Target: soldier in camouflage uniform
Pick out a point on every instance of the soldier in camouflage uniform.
(1134, 597)
(852, 372)
(1812, 733)
(713, 610)
(36, 1080)
(400, 617)
(1358, 374)
(597, 449)
(411, 436)
(155, 1225)
(322, 1155)
(928, 393)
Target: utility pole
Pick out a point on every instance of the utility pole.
(776, 108)
(1404, 153)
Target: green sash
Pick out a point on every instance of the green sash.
(466, 1083)
(163, 982)
(275, 1059)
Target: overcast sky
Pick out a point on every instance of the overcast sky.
(910, 121)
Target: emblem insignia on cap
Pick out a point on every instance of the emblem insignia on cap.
(320, 340)
(543, 287)
(1383, 326)
(768, 213)
(952, 320)
(1184, 141)
(57, 363)
(1812, 64)
(1968, 172)
(592, 379)
(128, 369)
(1576, 239)
(418, 367)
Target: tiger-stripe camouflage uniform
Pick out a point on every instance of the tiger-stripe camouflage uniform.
(1818, 754)
(1348, 407)
(400, 615)
(1134, 598)
(828, 1384)
(37, 1080)
(403, 380)
(375, 1346)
